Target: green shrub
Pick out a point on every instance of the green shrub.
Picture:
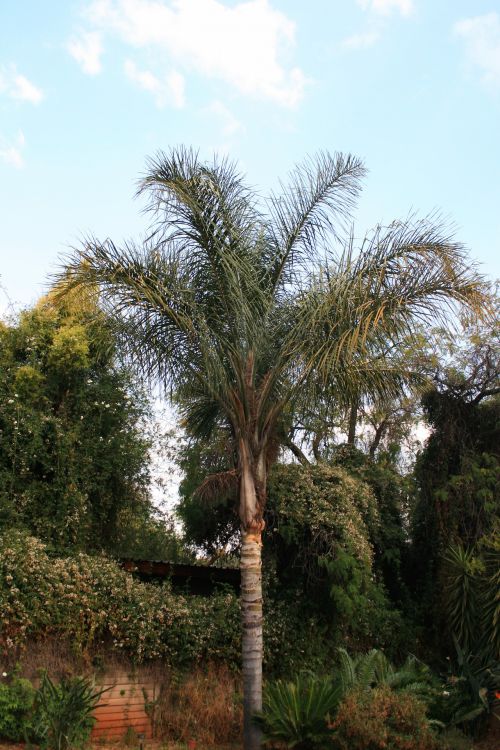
(63, 713)
(90, 600)
(381, 719)
(470, 693)
(16, 702)
(365, 671)
(297, 714)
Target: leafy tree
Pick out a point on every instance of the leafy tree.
(237, 309)
(73, 451)
(458, 474)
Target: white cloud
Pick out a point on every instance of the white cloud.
(379, 12)
(11, 152)
(86, 48)
(17, 86)
(241, 44)
(481, 36)
(386, 7)
(169, 90)
(230, 125)
(361, 41)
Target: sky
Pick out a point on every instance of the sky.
(90, 88)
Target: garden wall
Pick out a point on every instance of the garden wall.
(126, 706)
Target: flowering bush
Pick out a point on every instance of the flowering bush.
(90, 599)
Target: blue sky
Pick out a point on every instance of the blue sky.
(90, 88)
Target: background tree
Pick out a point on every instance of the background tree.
(457, 475)
(74, 451)
(237, 309)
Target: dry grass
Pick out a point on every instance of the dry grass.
(204, 705)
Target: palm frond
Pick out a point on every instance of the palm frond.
(219, 485)
(311, 212)
(208, 217)
(361, 308)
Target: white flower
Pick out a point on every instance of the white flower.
(4, 674)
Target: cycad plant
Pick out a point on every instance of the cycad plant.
(236, 305)
(297, 714)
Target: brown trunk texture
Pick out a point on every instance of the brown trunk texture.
(353, 418)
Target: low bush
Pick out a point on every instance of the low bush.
(16, 703)
(94, 604)
(381, 719)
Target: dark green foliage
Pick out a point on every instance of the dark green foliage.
(463, 596)
(388, 537)
(73, 451)
(320, 521)
(210, 524)
(16, 703)
(145, 533)
(470, 692)
(62, 717)
(472, 595)
(298, 713)
(490, 589)
(372, 669)
(457, 495)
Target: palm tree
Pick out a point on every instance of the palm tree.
(237, 309)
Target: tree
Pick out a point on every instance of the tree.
(457, 475)
(73, 454)
(237, 309)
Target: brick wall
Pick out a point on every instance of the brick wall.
(122, 707)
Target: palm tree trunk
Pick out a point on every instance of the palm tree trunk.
(252, 644)
(251, 596)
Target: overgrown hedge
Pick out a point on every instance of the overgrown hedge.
(91, 602)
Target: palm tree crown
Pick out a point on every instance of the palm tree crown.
(237, 309)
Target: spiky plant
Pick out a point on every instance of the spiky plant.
(237, 307)
(297, 714)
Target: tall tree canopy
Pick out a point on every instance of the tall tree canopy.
(238, 306)
(458, 473)
(73, 456)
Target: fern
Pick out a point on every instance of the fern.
(366, 671)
